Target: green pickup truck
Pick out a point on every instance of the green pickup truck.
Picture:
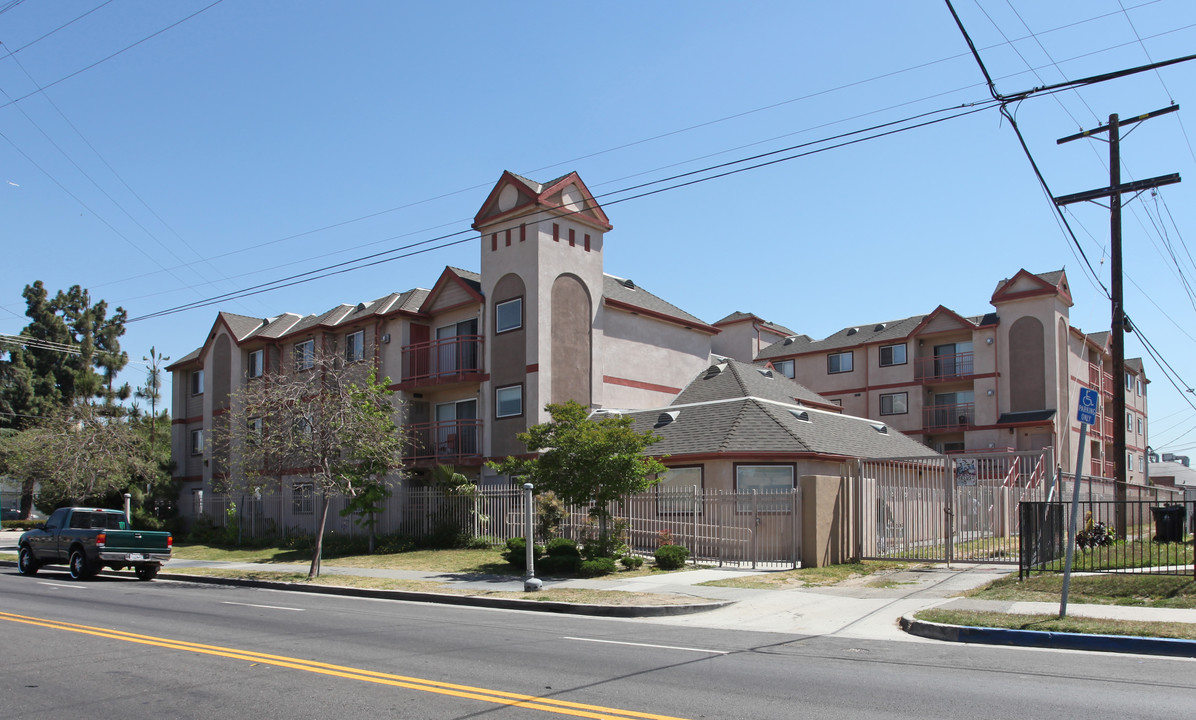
(89, 539)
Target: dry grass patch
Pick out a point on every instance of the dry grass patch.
(565, 595)
(1051, 623)
(816, 577)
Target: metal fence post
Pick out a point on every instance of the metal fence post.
(531, 583)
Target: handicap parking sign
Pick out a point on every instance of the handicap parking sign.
(1089, 404)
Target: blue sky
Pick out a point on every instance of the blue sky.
(159, 165)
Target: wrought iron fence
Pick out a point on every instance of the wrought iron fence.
(1157, 537)
(724, 527)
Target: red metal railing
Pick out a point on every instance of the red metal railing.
(447, 441)
(941, 368)
(948, 417)
(438, 361)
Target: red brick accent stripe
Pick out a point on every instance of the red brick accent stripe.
(611, 380)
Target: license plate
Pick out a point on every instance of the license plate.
(134, 556)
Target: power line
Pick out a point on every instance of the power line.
(340, 268)
(682, 130)
(106, 59)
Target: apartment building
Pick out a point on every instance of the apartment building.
(1007, 379)
(475, 358)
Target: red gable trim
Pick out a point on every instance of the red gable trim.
(447, 277)
(637, 310)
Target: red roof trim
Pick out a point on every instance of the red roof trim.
(636, 309)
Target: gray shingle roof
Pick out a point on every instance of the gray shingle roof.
(894, 330)
(747, 426)
(738, 316)
(730, 379)
(626, 291)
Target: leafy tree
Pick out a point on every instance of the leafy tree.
(79, 454)
(587, 461)
(333, 424)
(72, 355)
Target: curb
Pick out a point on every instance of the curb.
(617, 611)
(1049, 640)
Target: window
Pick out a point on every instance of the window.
(1141, 463)
(302, 496)
(1139, 426)
(197, 382)
(675, 491)
(784, 367)
(892, 355)
(508, 401)
(254, 430)
(838, 363)
(894, 404)
(838, 402)
(508, 315)
(197, 442)
(255, 366)
(768, 481)
(1129, 381)
(305, 355)
(303, 430)
(1139, 387)
(355, 346)
(1129, 421)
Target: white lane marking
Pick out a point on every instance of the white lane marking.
(662, 647)
(73, 587)
(268, 607)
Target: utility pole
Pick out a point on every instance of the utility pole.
(1119, 325)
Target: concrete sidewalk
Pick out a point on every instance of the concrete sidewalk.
(862, 608)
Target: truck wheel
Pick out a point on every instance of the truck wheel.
(80, 568)
(146, 572)
(26, 563)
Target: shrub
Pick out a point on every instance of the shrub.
(671, 557)
(483, 542)
(596, 567)
(563, 547)
(632, 562)
(550, 513)
(516, 552)
(559, 564)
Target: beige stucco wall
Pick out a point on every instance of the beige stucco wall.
(641, 349)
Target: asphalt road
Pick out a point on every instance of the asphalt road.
(119, 648)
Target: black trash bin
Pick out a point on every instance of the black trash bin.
(1169, 523)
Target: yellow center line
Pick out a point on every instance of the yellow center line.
(560, 707)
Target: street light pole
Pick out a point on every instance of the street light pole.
(531, 583)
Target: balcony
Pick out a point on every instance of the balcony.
(437, 362)
(944, 418)
(944, 368)
(448, 442)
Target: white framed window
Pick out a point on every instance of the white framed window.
(892, 355)
(197, 442)
(255, 366)
(838, 363)
(305, 355)
(1129, 381)
(254, 430)
(675, 491)
(508, 401)
(768, 481)
(1139, 426)
(355, 346)
(303, 498)
(508, 315)
(838, 402)
(894, 404)
(1141, 463)
(1129, 421)
(784, 367)
(303, 430)
(197, 382)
